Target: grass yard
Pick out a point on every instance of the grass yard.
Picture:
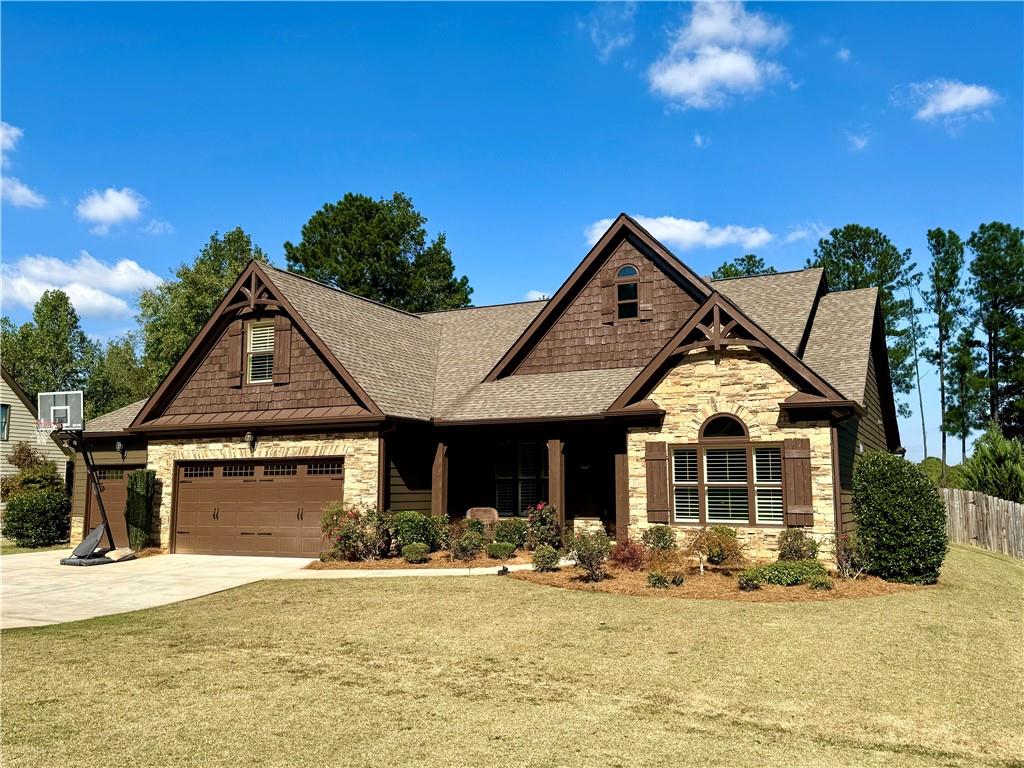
(490, 671)
(8, 547)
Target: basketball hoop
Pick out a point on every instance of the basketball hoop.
(58, 412)
(45, 429)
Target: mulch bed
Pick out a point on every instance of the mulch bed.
(437, 560)
(714, 585)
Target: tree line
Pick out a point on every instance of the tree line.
(376, 248)
(965, 317)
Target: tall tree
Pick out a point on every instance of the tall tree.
(997, 287)
(916, 336)
(117, 379)
(863, 257)
(378, 249)
(174, 312)
(966, 392)
(51, 352)
(944, 299)
(743, 266)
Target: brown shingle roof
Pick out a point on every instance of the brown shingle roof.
(839, 345)
(779, 303)
(115, 420)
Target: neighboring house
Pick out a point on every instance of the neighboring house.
(638, 394)
(18, 424)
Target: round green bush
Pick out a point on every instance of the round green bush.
(513, 530)
(657, 579)
(545, 558)
(500, 550)
(38, 518)
(415, 528)
(416, 552)
(819, 582)
(468, 545)
(659, 538)
(795, 544)
(901, 521)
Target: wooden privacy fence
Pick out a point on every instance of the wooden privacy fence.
(985, 521)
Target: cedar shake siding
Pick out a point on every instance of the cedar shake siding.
(583, 339)
(214, 387)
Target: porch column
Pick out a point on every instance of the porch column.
(439, 481)
(621, 497)
(382, 474)
(556, 479)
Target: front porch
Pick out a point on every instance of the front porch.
(580, 469)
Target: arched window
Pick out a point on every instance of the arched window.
(627, 293)
(727, 479)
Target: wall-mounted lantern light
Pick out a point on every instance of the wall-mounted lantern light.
(250, 440)
(121, 450)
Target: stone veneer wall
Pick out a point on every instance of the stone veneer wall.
(745, 384)
(360, 450)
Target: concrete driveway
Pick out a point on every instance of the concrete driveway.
(36, 590)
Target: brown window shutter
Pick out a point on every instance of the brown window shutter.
(607, 302)
(282, 349)
(236, 355)
(656, 459)
(796, 477)
(646, 305)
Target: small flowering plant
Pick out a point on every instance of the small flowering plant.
(542, 521)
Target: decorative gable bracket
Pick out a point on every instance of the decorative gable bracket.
(252, 294)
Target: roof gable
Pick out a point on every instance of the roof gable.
(716, 325)
(595, 345)
(204, 389)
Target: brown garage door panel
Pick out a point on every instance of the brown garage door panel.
(113, 485)
(255, 507)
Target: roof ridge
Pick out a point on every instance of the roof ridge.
(482, 306)
(766, 274)
(342, 291)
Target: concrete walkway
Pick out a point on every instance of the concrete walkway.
(35, 589)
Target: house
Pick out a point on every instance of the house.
(638, 394)
(18, 424)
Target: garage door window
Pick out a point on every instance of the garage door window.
(239, 470)
(198, 471)
(279, 470)
(324, 468)
(109, 474)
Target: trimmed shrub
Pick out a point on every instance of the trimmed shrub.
(631, 555)
(996, 467)
(819, 582)
(678, 579)
(414, 528)
(901, 520)
(657, 579)
(417, 552)
(785, 573)
(500, 550)
(138, 511)
(545, 558)
(542, 522)
(512, 530)
(795, 544)
(356, 532)
(659, 538)
(849, 562)
(590, 551)
(38, 518)
(468, 545)
(717, 545)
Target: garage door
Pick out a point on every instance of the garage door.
(113, 484)
(254, 508)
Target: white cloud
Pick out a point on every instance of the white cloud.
(610, 27)
(717, 55)
(857, 141)
(95, 288)
(687, 234)
(843, 54)
(110, 207)
(700, 140)
(805, 231)
(536, 295)
(158, 227)
(951, 99)
(9, 137)
(20, 194)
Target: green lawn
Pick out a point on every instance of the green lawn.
(487, 671)
(8, 547)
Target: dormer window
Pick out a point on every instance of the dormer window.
(627, 293)
(260, 353)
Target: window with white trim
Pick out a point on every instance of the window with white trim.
(260, 353)
(726, 479)
(5, 422)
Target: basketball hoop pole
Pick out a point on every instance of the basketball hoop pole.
(90, 467)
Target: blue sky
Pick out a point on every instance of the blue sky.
(131, 132)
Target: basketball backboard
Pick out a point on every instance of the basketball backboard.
(60, 411)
